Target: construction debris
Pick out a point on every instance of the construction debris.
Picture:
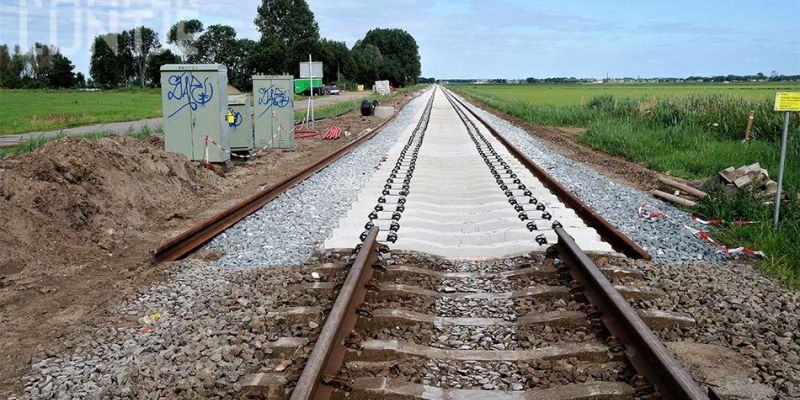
(678, 193)
(673, 198)
(749, 177)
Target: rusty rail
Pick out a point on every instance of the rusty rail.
(650, 358)
(609, 232)
(317, 378)
(198, 235)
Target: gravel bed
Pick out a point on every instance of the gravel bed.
(665, 238)
(501, 375)
(435, 263)
(210, 331)
(735, 307)
(290, 228)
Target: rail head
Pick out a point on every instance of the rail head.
(329, 350)
(644, 350)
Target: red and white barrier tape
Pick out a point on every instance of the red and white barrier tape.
(650, 215)
(644, 214)
(721, 222)
(251, 154)
(739, 250)
(725, 249)
(700, 233)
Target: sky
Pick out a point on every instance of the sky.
(476, 39)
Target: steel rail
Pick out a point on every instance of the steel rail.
(609, 232)
(649, 357)
(199, 234)
(316, 380)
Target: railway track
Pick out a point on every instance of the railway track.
(509, 327)
(470, 279)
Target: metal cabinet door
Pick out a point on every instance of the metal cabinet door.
(177, 107)
(208, 91)
(272, 102)
(283, 122)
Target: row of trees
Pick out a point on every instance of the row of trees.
(128, 57)
(289, 34)
(42, 66)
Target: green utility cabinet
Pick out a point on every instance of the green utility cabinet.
(241, 133)
(194, 98)
(273, 111)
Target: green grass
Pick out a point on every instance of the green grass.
(570, 94)
(46, 110)
(691, 135)
(23, 111)
(29, 145)
(331, 110)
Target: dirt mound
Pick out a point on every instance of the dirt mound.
(85, 199)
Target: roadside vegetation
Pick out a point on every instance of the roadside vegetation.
(29, 145)
(571, 94)
(327, 111)
(692, 136)
(45, 110)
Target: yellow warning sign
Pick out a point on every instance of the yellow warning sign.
(787, 101)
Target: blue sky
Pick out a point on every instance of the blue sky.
(477, 39)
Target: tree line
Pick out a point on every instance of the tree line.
(289, 33)
(39, 67)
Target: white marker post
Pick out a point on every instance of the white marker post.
(786, 102)
(310, 70)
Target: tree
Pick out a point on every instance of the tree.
(366, 63)
(123, 48)
(292, 24)
(400, 53)
(145, 43)
(80, 80)
(216, 45)
(288, 20)
(104, 65)
(334, 56)
(268, 56)
(183, 35)
(8, 76)
(240, 71)
(155, 63)
(61, 75)
(39, 58)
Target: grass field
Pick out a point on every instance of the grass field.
(692, 134)
(565, 94)
(325, 111)
(24, 111)
(46, 110)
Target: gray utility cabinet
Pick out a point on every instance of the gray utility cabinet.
(273, 111)
(241, 133)
(194, 98)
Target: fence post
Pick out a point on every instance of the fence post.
(749, 129)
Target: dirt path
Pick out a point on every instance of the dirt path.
(84, 215)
